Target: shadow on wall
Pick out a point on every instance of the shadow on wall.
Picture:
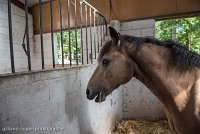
(76, 108)
(76, 103)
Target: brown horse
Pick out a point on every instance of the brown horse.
(170, 71)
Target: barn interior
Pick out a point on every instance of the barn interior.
(42, 88)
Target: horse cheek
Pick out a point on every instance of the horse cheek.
(127, 72)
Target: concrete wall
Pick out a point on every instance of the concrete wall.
(138, 101)
(56, 99)
(47, 49)
(18, 24)
(140, 28)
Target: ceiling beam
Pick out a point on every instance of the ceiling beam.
(122, 10)
(21, 6)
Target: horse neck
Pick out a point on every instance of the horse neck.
(153, 69)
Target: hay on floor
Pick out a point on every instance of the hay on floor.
(142, 127)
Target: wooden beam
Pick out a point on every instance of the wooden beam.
(21, 6)
(127, 10)
(122, 10)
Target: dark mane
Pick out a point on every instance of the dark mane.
(185, 57)
(180, 54)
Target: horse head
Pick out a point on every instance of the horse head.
(114, 69)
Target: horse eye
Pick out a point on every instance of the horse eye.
(105, 62)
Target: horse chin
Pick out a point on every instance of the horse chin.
(100, 97)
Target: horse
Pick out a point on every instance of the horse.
(170, 71)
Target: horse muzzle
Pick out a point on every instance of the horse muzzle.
(99, 96)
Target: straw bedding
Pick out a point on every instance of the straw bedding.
(142, 127)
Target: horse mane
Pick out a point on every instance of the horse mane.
(179, 54)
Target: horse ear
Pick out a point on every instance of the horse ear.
(114, 35)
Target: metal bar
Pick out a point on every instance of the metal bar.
(97, 12)
(52, 38)
(98, 33)
(106, 26)
(81, 26)
(61, 33)
(11, 37)
(86, 32)
(70, 55)
(41, 35)
(104, 19)
(27, 36)
(76, 32)
(93, 8)
(101, 32)
(95, 49)
(91, 52)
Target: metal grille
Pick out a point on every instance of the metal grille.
(94, 23)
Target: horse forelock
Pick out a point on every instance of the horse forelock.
(122, 39)
(104, 49)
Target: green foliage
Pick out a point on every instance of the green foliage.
(185, 31)
(72, 43)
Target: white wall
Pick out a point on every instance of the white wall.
(47, 49)
(138, 101)
(140, 28)
(56, 99)
(18, 24)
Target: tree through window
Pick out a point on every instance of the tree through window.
(185, 31)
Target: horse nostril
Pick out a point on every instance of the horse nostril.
(88, 92)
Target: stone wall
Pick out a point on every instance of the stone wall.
(56, 98)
